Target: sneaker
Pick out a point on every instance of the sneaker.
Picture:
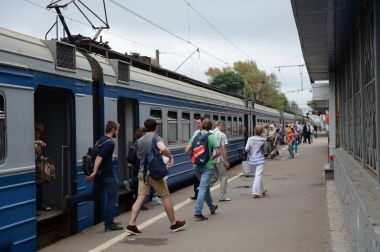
(44, 208)
(127, 186)
(225, 199)
(193, 197)
(113, 227)
(133, 230)
(157, 200)
(213, 211)
(200, 217)
(179, 225)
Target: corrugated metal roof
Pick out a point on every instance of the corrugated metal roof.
(324, 28)
(311, 20)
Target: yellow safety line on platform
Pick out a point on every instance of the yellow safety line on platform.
(149, 222)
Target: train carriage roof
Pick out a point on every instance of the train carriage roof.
(23, 51)
(266, 110)
(147, 81)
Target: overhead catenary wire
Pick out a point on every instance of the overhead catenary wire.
(167, 31)
(217, 30)
(88, 25)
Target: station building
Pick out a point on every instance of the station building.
(340, 40)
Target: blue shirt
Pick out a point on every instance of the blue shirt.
(105, 151)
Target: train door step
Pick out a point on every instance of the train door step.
(44, 215)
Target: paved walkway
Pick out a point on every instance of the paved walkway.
(293, 217)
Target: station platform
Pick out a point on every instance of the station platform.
(292, 217)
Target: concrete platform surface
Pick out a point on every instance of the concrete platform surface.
(292, 217)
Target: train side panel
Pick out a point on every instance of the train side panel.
(17, 172)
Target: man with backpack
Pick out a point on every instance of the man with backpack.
(196, 181)
(148, 147)
(204, 147)
(104, 177)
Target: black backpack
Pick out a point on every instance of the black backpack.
(154, 166)
(201, 153)
(132, 154)
(89, 158)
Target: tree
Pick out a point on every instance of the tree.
(258, 85)
(293, 107)
(230, 82)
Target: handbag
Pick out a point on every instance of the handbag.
(248, 169)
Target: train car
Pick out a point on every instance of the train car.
(48, 83)
(175, 105)
(266, 115)
(73, 92)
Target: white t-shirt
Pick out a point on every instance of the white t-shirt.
(255, 149)
(222, 139)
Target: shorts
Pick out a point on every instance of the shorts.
(159, 185)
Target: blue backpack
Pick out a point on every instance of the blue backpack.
(201, 154)
(154, 166)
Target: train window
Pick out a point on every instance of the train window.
(2, 128)
(172, 127)
(207, 116)
(234, 126)
(223, 118)
(240, 126)
(215, 118)
(229, 126)
(196, 117)
(157, 115)
(185, 127)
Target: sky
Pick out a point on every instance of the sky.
(260, 30)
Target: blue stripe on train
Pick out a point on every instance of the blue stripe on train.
(18, 204)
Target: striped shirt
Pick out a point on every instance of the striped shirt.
(255, 149)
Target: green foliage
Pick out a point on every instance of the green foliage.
(293, 107)
(230, 82)
(257, 84)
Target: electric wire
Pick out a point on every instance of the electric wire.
(88, 25)
(217, 30)
(167, 31)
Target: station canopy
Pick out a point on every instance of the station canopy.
(324, 28)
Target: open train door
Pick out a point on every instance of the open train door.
(54, 116)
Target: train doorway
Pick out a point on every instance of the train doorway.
(53, 109)
(128, 119)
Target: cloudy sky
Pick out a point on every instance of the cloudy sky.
(260, 30)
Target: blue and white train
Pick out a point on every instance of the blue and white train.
(73, 92)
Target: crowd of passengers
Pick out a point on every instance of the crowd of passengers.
(208, 151)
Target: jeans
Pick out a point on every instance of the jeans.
(109, 186)
(290, 149)
(204, 193)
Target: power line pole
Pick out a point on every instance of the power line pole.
(300, 68)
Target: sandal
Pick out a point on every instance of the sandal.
(255, 196)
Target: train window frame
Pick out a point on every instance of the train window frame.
(3, 128)
(158, 120)
(185, 121)
(240, 126)
(195, 118)
(229, 126)
(234, 126)
(172, 119)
